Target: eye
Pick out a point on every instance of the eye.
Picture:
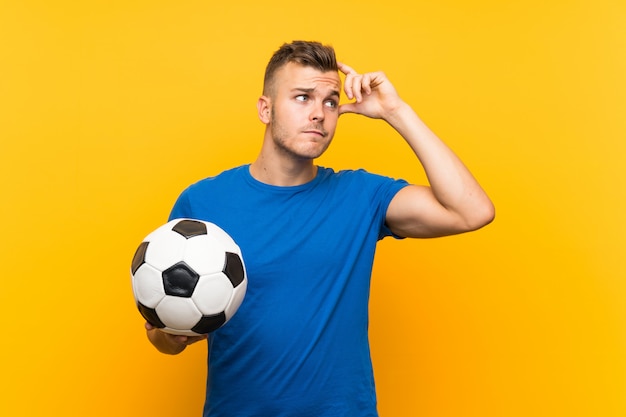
(302, 97)
(330, 103)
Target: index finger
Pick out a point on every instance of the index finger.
(346, 69)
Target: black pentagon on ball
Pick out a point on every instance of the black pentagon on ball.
(150, 315)
(207, 324)
(233, 269)
(190, 228)
(180, 280)
(139, 258)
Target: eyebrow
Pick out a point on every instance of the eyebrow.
(311, 90)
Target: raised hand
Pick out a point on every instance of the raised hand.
(373, 94)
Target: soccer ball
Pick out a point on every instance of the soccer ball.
(188, 277)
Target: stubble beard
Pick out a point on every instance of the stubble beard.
(280, 135)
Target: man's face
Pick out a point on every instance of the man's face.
(304, 110)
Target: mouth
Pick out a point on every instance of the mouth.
(316, 132)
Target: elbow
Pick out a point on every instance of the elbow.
(484, 214)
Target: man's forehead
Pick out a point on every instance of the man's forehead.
(299, 76)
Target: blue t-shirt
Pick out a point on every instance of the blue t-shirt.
(298, 345)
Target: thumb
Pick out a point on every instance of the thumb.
(347, 108)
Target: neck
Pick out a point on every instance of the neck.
(282, 173)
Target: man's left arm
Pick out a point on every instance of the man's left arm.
(454, 202)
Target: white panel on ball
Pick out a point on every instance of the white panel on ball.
(212, 294)
(178, 313)
(148, 286)
(237, 298)
(226, 241)
(204, 254)
(165, 249)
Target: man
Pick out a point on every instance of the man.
(298, 345)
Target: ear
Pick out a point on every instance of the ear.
(264, 105)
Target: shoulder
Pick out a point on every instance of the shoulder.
(360, 187)
(209, 194)
(224, 178)
(360, 177)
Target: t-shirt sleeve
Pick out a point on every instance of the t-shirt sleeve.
(390, 190)
(182, 207)
(381, 190)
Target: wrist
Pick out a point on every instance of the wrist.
(400, 115)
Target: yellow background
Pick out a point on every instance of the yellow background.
(109, 108)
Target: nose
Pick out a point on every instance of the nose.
(317, 112)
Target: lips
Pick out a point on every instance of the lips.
(316, 131)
